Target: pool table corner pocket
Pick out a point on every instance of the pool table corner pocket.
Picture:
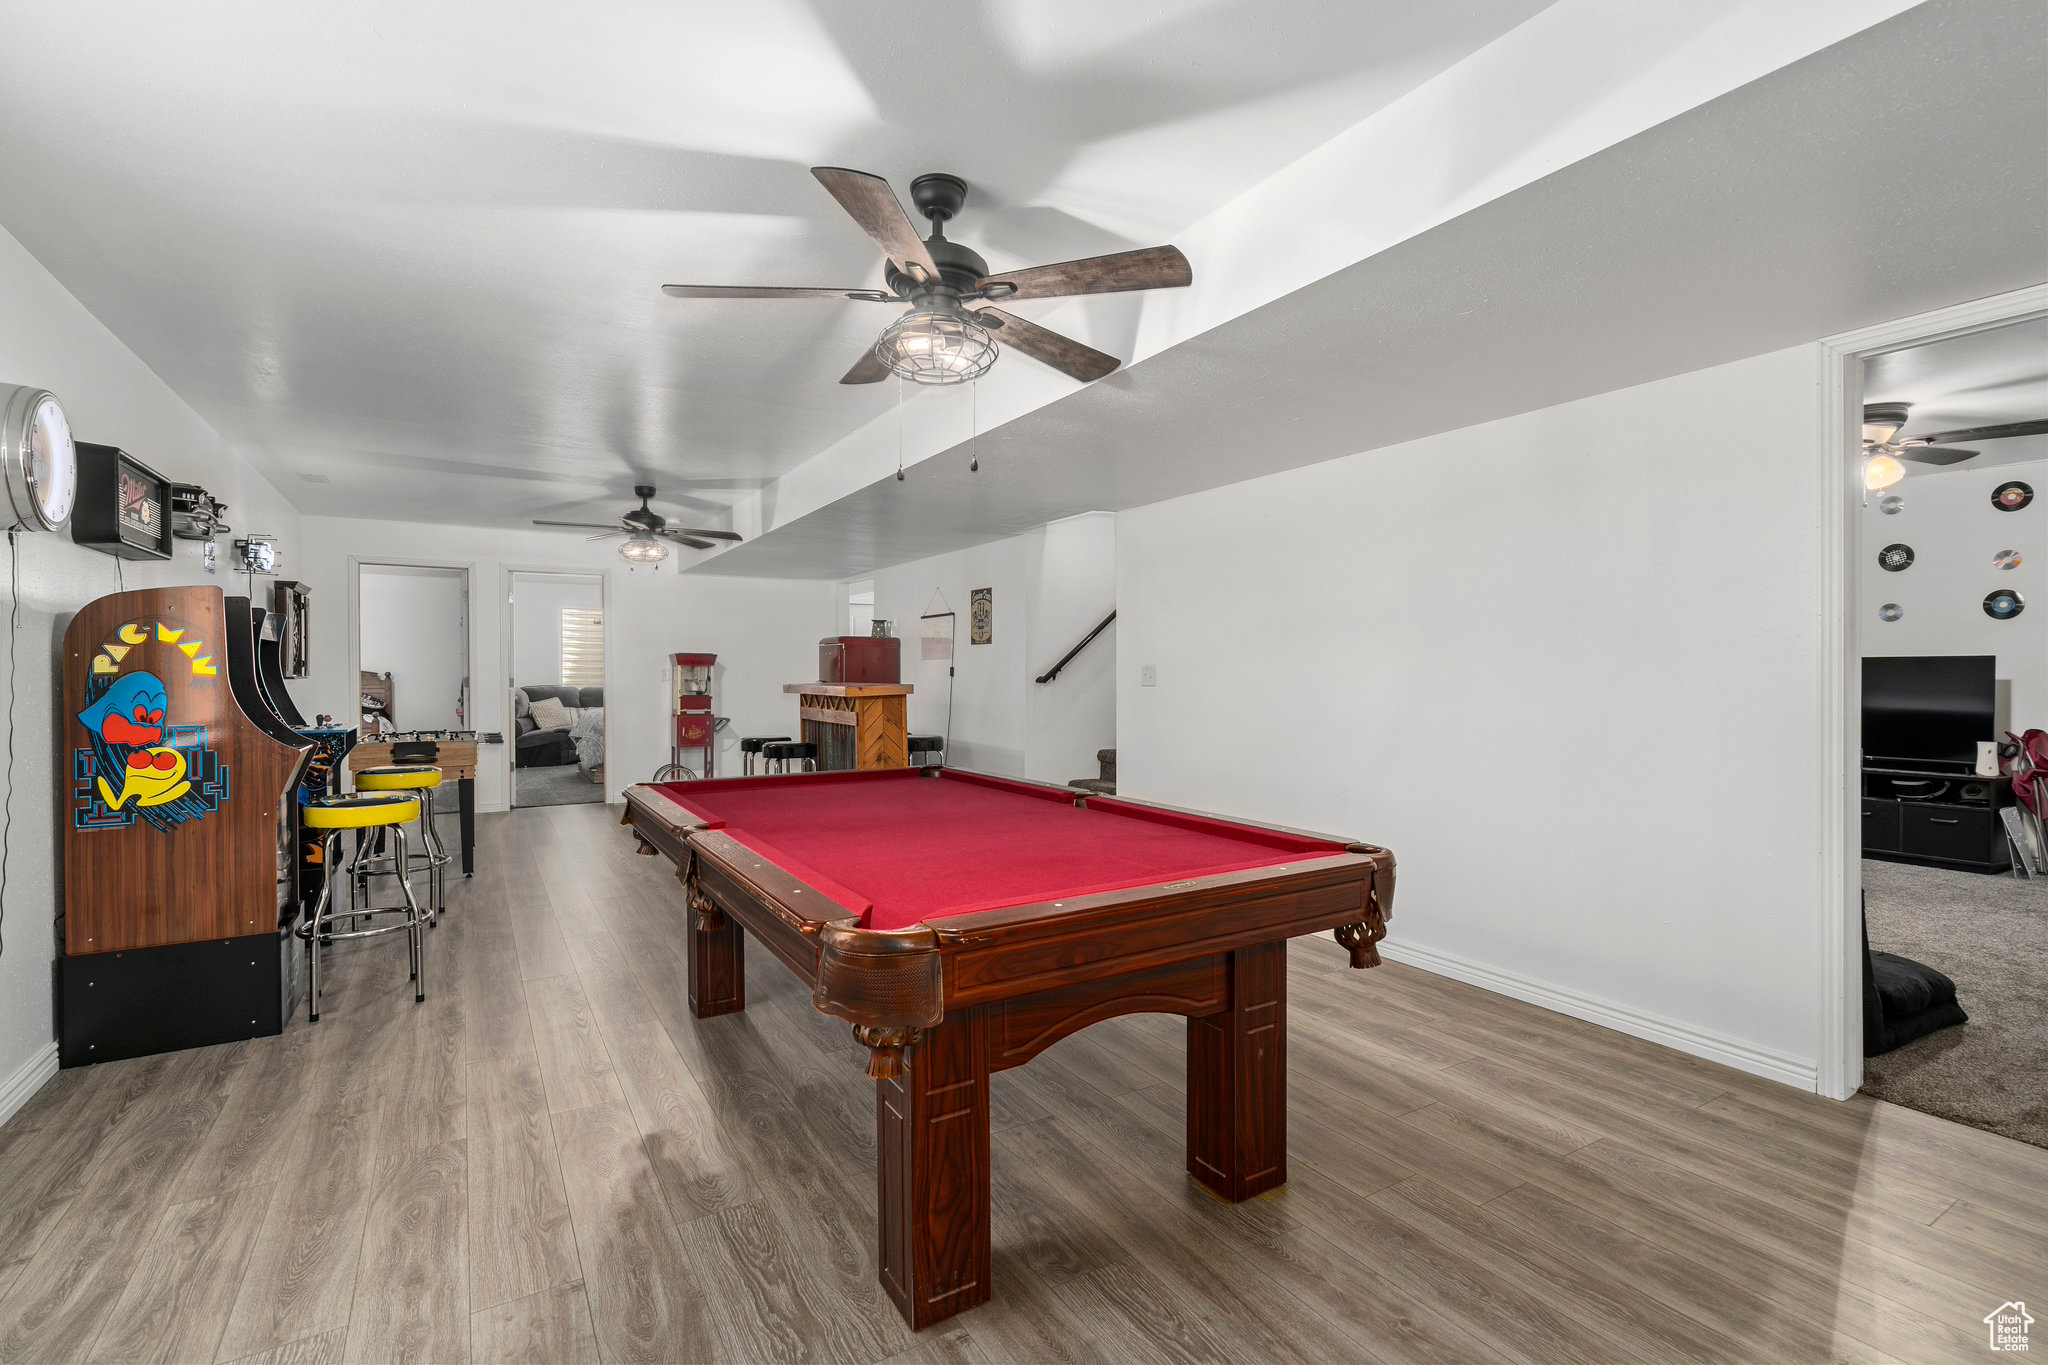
(887, 983)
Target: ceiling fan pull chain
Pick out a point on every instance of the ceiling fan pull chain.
(973, 425)
(899, 428)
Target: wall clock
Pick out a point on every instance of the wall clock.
(40, 462)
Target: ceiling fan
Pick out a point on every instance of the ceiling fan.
(940, 339)
(646, 530)
(1882, 423)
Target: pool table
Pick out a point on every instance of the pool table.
(963, 923)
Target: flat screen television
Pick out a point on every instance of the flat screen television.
(1930, 709)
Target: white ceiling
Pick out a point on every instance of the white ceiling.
(416, 249)
(1766, 218)
(1979, 379)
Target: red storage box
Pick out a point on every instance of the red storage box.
(846, 659)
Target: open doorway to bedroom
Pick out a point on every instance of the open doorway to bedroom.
(555, 645)
(1949, 669)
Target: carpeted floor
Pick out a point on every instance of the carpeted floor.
(561, 786)
(1990, 935)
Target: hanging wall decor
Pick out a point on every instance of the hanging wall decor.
(1890, 611)
(1893, 558)
(2011, 497)
(2004, 604)
(1891, 504)
(2007, 559)
(981, 616)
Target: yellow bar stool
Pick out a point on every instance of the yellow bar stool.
(420, 782)
(388, 813)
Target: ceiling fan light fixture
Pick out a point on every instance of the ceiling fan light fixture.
(936, 346)
(1881, 422)
(1882, 471)
(643, 547)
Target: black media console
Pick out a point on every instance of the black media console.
(1937, 819)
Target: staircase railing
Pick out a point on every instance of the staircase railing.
(1068, 657)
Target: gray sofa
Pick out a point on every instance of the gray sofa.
(537, 748)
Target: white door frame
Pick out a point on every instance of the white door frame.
(612, 782)
(356, 565)
(1841, 674)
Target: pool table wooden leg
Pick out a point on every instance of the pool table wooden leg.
(933, 1156)
(1237, 1080)
(718, 963)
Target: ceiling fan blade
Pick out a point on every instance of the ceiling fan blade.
(689, 540)
(606, 536)
(869, 369)
(2037, 427)
(766, 291)
(880, 214)
(1064, 354)
(700, 533)
(1937, 455)
(1154, 267)
(582, 525)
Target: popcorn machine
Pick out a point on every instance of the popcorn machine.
(695, 726)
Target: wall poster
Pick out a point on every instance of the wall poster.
(981, 616)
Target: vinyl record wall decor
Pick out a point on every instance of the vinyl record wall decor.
(1895, 558)
(1891, 504)
(2004, 604)
(1890, 611)
(2011, 497)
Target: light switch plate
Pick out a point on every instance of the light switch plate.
(1148, 675)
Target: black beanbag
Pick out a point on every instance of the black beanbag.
(1903, 1000)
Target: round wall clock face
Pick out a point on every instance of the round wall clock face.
(1893, 558)
(2004, 604)
(2011, 497)
(41, 464)
(1890, 611)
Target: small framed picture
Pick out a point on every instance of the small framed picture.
(981, 616)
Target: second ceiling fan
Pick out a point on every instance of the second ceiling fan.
(940, 338)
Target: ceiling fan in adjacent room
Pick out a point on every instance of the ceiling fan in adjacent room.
(647, 531)
(1886, 452)
(940, 339)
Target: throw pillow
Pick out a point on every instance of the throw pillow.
(550, 714)
(520, 705)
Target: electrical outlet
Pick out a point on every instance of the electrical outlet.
(1148, 675)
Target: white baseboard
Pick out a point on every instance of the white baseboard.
(1775, 1066)
(28, 1078)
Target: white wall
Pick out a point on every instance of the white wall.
(1954, 530)
(47, 339)
(1565, 665)
(537, 605)
(1050, 586)
(415, 626)
(765, 632)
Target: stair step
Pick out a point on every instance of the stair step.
(1098, 786)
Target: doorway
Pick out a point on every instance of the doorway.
(1941, 568)
(412, 656)
(555, 642)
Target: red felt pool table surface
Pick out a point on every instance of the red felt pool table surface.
(901, 848)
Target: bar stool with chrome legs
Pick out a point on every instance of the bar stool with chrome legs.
(421, 781)
(750, 750)
(389, 813)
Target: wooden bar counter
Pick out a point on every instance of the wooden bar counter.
(856, 726)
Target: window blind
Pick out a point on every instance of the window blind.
(582, 647)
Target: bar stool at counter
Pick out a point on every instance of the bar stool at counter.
(750, 750)
(389, 813)
(421, 781)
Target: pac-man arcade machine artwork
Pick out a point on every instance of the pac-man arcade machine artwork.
(175, 810)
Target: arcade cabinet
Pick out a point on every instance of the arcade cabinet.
(177, 801)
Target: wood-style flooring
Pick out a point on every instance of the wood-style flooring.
(550, 1160)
